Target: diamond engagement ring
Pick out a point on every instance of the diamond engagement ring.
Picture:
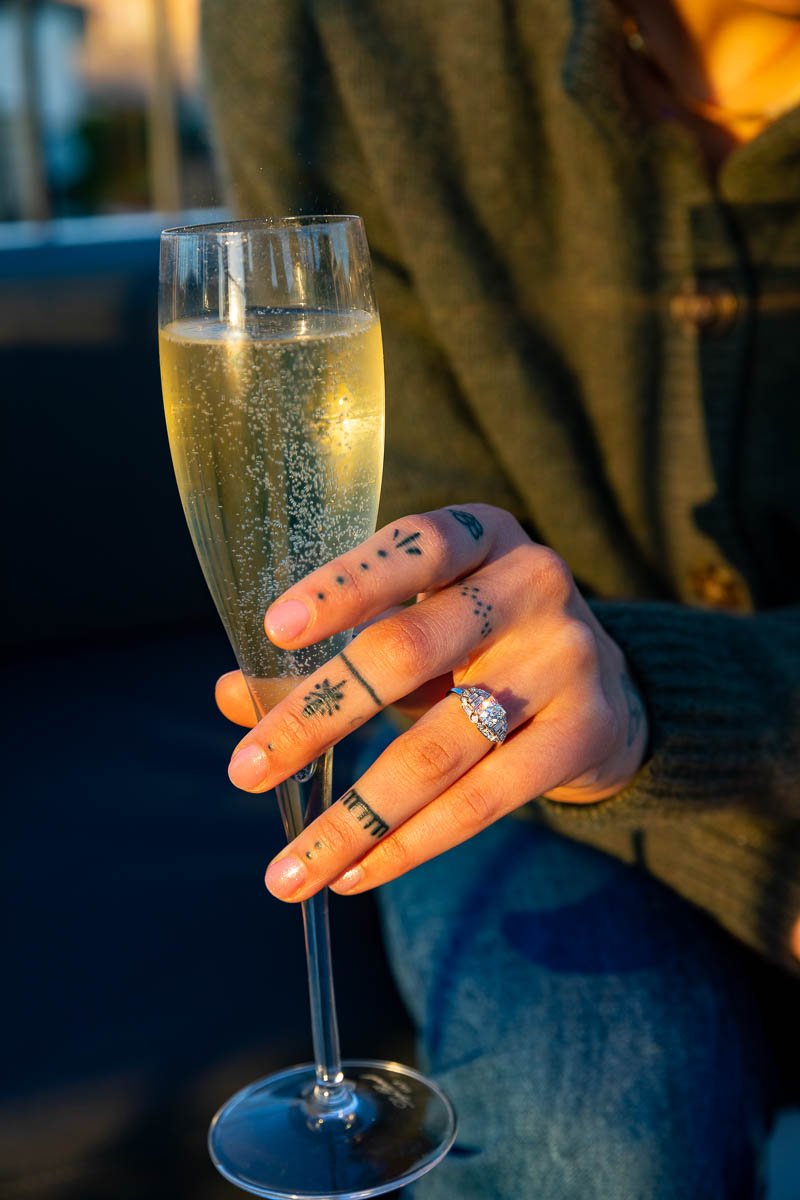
(487, 714)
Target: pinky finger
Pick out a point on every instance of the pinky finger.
(514, 773)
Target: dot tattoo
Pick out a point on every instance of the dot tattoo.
(365, 566)
(340, 579)
(470, 523)
(479, 609)
(323, 698)
(320, 595)
(382, 554)
(365, 815)
(360, 679)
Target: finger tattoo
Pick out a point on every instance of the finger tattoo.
(359, 678)
(365, 815)
(407, 543)
(323, 698)
(479, 608)
(472, 524)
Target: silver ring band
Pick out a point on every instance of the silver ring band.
(486, 714)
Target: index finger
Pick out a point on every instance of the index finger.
(414, 554)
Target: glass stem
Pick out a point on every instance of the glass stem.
(300, 803)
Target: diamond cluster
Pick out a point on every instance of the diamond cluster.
(485, 713)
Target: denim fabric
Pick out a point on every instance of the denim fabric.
(597, 1035)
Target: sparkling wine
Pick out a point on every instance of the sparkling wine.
(276, 431)
(273, 383)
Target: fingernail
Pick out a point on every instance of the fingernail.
(248, 767)
(285, 876)
(349, 880)
(287, 620)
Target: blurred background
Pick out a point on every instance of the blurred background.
(147, 974)
(101, 109)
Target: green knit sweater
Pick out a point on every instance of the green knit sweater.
(580, 327)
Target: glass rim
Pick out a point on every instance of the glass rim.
(249, 224)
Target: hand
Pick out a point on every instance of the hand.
(497, 611)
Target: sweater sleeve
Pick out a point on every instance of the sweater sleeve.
(714, 812)
(723, 699)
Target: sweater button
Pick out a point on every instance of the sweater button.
(718, 586)
(709, 308)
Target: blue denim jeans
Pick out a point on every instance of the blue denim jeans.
(597, 1035)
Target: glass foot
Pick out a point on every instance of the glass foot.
(273, 1139)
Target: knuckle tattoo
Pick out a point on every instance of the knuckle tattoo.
(469, 521)
(480, 608)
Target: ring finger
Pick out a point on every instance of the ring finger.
(414, 770)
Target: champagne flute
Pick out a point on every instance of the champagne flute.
(272, 374)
